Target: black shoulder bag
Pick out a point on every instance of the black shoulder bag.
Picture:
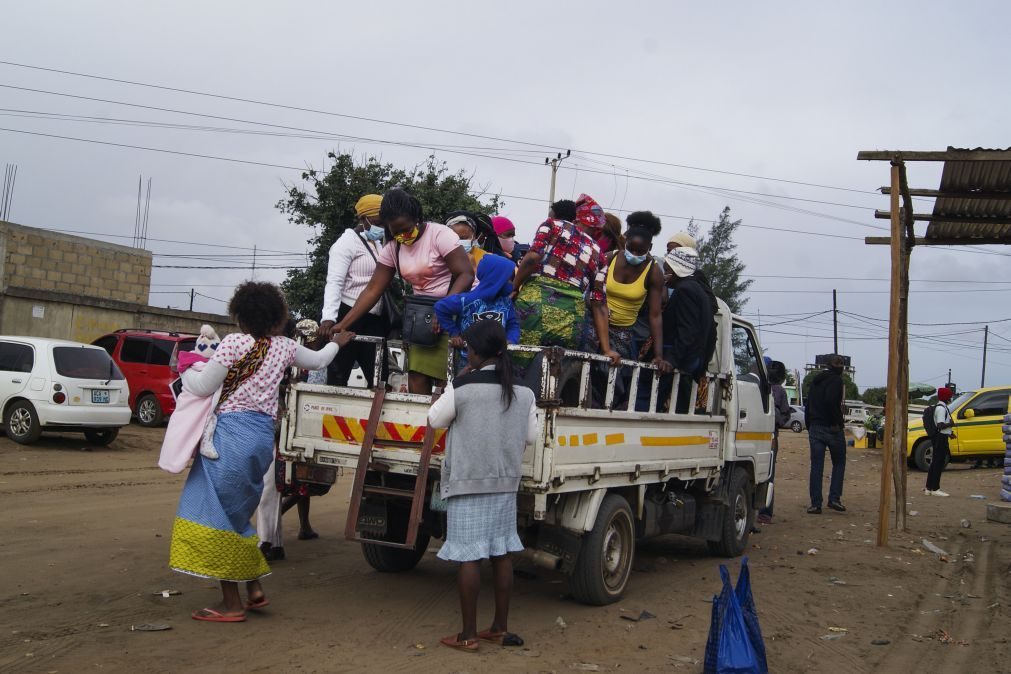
(393, 297)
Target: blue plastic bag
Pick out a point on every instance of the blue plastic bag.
(735, 644)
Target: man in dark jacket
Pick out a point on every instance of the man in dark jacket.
(823, 416)
(687, 325)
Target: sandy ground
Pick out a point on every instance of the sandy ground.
(85, 543)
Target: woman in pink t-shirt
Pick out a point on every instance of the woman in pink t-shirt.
(429, 257)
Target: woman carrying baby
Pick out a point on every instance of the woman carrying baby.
(212, 536)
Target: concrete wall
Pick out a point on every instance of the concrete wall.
(43, 260)
(37, 313)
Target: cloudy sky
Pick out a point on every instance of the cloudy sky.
(675, 108)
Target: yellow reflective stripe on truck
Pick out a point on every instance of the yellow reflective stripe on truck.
(754, 436)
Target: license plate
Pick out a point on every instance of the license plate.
(100, 397)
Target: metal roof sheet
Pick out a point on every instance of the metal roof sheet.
(966, 177)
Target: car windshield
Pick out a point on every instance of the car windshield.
(962, 397)
(81, 362)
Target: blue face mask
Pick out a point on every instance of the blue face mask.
(374, 233)
(467, 244)
(635, 260)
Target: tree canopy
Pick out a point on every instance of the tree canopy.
(718, 257)
(325, 203)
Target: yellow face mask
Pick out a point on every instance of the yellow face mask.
(408, 237)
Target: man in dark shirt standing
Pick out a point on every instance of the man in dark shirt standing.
(687, 325)
(823, 416)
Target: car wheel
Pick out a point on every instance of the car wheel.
(796, 427)
(100, 437)
(149, 411)
(22, 423)
(923, 454)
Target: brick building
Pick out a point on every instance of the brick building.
(70, 287)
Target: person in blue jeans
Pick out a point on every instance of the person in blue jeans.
(823, 416)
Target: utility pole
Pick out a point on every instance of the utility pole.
(253, 275)
(986, 336)
(835, 323)
(554, 163)
(192, 293)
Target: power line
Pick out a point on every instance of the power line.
(374, 120)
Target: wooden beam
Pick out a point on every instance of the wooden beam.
(956, 219)
(952, 195)
(944, 155)
(923, 241)
(888, 447)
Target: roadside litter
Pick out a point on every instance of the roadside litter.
(735, 641)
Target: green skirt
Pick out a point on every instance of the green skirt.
(551, 313)
(432, 360)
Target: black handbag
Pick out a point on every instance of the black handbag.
(392, 310)
(419, 317)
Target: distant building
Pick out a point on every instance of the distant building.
(70, 287)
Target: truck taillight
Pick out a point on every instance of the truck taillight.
(59, 397)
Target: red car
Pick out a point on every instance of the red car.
(148, 360)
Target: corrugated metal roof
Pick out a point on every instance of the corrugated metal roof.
(962, 177)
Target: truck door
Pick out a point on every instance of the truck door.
(753, 408)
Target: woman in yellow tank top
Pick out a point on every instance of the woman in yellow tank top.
(635, 285)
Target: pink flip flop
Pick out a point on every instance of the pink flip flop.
(212, 616)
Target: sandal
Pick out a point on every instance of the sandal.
(453, 641)
(212, 616)
(257, 604)
(501, 638)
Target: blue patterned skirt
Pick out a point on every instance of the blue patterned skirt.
(480, 526)
(212, 536)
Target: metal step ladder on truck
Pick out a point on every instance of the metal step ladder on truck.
(595, 482)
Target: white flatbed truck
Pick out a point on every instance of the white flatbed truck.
(595, 482)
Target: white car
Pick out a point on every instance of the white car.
(796, 423)
(58, 385)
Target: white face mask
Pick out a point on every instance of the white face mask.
(467, 244)
(508, 244)
(374, 233)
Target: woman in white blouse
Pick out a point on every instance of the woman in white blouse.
(352, 262)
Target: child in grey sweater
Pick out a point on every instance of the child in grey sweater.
(490, 424)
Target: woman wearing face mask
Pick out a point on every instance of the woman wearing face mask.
(351, 266)
(634, 280)
(466, 228)
(505, 232)
(429, 257)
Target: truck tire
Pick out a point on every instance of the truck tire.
(395, 560)
(605, 558)
(738, 519)
(923, 453)
(21, 423)
(385, 559)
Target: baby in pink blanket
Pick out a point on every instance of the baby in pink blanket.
(207, 343)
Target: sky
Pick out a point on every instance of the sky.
(676, 108)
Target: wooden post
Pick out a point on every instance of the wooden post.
(901, 352)
(893, 425)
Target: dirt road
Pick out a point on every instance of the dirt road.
(84, 545)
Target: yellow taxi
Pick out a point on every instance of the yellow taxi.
(978, 417)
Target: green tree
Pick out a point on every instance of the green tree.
(875, 396)
(852, 392)
(325, 203)
(718, 257)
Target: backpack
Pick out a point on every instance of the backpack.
(928, 421)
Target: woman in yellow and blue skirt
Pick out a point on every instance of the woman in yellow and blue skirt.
(211, 535)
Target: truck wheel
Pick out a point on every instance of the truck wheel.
(149, 412)
(101, 437)
(738, 519)
(605, 558)
(396, 560)
(22, 423)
